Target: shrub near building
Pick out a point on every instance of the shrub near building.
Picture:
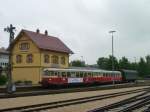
(3, 80)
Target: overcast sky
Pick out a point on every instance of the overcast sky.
(83, 25)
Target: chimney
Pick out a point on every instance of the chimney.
(46, 32)
(37, 31)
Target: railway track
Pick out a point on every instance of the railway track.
(51, 105)
(129, 105)
(66, 90)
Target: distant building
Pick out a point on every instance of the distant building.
(33, 51)
(4, 57)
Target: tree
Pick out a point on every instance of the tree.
(77, 63)
(148, 64)
(102, 63)
(124, 63)
(116, 65)
(106, 63)
(142, 67)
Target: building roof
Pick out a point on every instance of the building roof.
(47, 42)
(3, 51)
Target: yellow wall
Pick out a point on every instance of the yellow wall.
(32, 50)
(32, 71)
(27, 74)
(50, 53)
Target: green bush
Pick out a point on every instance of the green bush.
(28, 82)
(3, 80)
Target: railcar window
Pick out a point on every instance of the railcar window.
(109, 75)
(68, 74)
(93, 74)
(55, 74)
(73, 74)
(81, 74)
(113, 75)
(116, 75)
(96, 74)
(89, 74)
(104, 74)
(77, 74)
(63, 74)
(51, 73)
(59, 74)
(99, 74)
(85, 74)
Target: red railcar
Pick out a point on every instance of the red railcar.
(55, 76)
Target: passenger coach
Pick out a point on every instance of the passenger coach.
(54, 76)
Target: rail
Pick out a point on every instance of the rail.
(51, 105)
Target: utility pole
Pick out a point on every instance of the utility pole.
(10, 86)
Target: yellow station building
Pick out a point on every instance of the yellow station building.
(33, 51)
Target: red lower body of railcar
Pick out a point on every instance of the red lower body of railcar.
(86, 80)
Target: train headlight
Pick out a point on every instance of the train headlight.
(50, 79)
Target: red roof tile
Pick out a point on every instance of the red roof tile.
(47, 42)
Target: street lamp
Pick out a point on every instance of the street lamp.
(10, 29)
(111, 32)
